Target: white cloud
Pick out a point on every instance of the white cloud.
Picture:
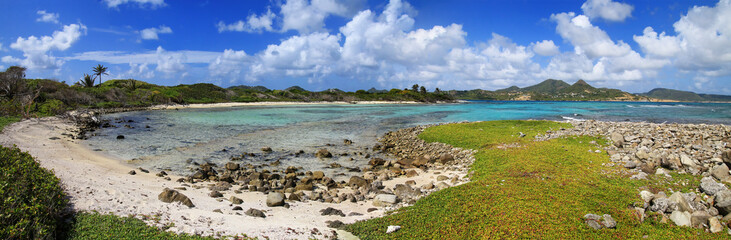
(137, 71)
(607, 9)
(705, 35)
(170, 63)
(47, 17)
(310, 56)
(253, 23)
(306, 17)
(230, 64)
(36, 50)
(151, 33)
(545, 48)
(662, 45)
(141, 3)
(147, 57)
(586, 37)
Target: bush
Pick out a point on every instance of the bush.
(52, 107)
(31, 199)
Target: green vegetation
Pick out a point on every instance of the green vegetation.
(524, 189)
(31, 200)
(5, 120)
(107, 226)
(685, 96)
(548, 90)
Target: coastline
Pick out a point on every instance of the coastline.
(98, 182)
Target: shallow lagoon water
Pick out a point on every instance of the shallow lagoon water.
(177, 138)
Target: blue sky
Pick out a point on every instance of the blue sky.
(358, 44)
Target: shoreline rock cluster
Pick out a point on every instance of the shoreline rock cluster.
(652, 148)
(412, 157)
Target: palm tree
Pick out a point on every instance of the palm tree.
(87, 81)
(99, 70)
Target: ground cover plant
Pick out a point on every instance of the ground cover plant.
(108, 226)
(524, 189)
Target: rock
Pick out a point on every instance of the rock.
(357, 182)
(699, 218)
(723, 201)
(446, 158)
(442, 185)
(617, 139)
(404, 191)
(317, 175)
(232, 166)
(255, 213)
(221, 186)
(331, 211)
(680, 218)
(421, 160)
(428, 186)
(647, 196)
(376, 162)
(354, 214)
(235, 200)
(266, 149)
(384, 200)
(392, 229)
(442, 178)
(143, 170)
(630, 165)
(120, 137)
(217, 211)
(132, 172)
(323, 153)
(294, 197)
(347, 141)
(215, 194)
(639, 214)
(275, 199)
(168, 196)
(660, 204)
(335, 224)
(608, 221)
(715, 225)
(642, 155)
(710, 186)
(686, 160)
(680, 202)
(720, 172)
(662, 171)
(726, 156)
(411, 173)
(237, 208)
(592, 220)
(639, 176)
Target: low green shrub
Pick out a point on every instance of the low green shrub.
(31, 199)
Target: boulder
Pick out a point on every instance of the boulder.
(446, 158)
(215, 194)
(235, 200)
(726, 156)
(642, 155)
(699, 218)
(335, 224)
(347, 141)
(376, 162)
(323, 153)
(710, 186)
(411, 173)
(608, 221)
(715, 225)
(357, 182)
(404, 191)
(680, 202)
(687, 161)
(266, 149)
(132, 172)
(660, 204)
(232, 166)
(592, 220)
(331, 211)
(647, 196)
(680, 218)
(617, 139)
(723, 201)
(275, 199)
(720, 172)
(255, 213)
(421, 160)
(221, 186)
(317, 175)
(168, 196)
(384, 200)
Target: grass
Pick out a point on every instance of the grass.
(532, 190)
(6, 120)
(107, 226)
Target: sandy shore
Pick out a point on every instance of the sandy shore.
(241, 104)
(101, 183)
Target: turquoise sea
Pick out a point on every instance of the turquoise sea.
(174, 139)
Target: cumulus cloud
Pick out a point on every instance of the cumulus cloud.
(141, 3)
(607, 9)
(545, 48)
(253, 23)
(170, 63)
(151, 33)
(36, 50)
(310, 56)
(47, 17)
(307, 16)
(587, 38)
(658, 45)
(230, 64)
(138, 71)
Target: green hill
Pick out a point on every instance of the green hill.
(685, 96)
(549, 90)
(547, 86)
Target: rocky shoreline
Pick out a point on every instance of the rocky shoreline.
(658, 148)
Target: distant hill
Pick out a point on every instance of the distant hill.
(685, 96)
(549, 90)
(244, 87)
